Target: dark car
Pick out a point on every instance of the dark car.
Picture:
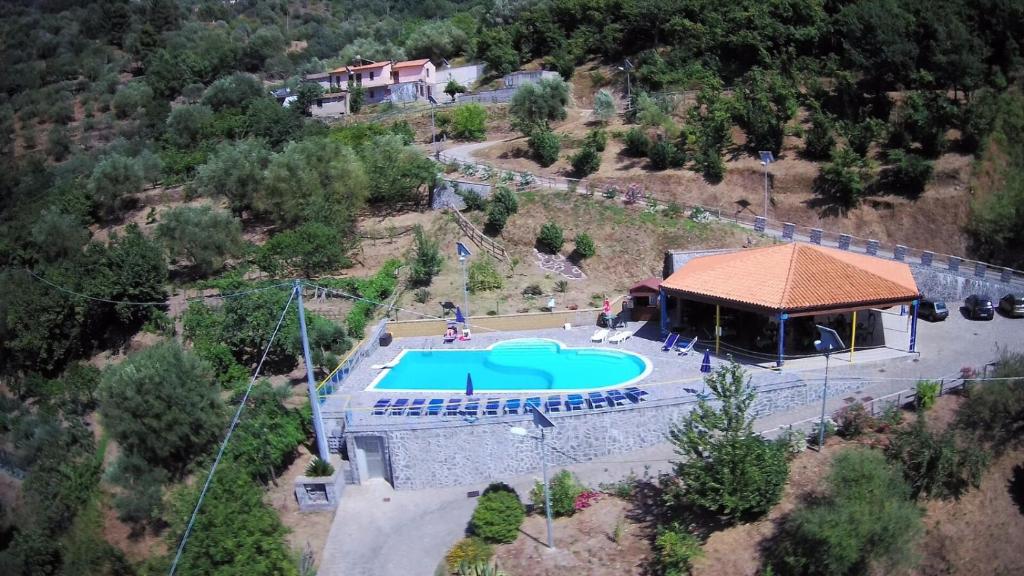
(979, 307)
(1012, 305)
(933, 310)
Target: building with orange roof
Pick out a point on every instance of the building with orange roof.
(766, 301)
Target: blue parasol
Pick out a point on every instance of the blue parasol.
(469, 384)
(705, 365)
(458, 316)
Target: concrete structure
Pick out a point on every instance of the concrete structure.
(517, 79)
(465, 75)
(316, 493)
(331, 104)
(643, 300)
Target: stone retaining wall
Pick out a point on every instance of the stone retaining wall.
(510, 322)
(954, 287)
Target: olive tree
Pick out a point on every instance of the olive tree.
(201, 236)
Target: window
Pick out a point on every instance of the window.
(428, 72)
(359, 78)
(319, 103)
(641, 301)
(371, 93)
(371, 75)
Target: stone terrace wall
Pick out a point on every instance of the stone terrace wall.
(509, 322)
(954, 287)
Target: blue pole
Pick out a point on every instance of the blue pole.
(782, 338)
(913, 326)
(663, 300)
(314, 400)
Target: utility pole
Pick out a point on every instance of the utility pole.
(314, 400)
(766, 158)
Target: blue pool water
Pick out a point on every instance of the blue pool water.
(513, 366)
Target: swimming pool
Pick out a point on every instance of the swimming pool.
(513, 366)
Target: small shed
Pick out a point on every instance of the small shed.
(643, 299)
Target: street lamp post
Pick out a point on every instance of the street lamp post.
(766, 159)
(542, 422)
(464, 255)
(626, 67)
(827, 343)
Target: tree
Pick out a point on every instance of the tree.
(400, 171)
(235, 170)
(497, 516)
(200, 235)
(819, 142)
(604, 106)
(865, 523)
(469, 122)
(711, 121)
(312, 248)
(765, 102)
(586, 161)
(842, 181)
(503, 204)
(535, 105)
(877, 39)
(112, 182)
(545, 146)
(436, 41)
(453, 87)
(664, 155)
(132, 97)
(551, 237)
(58, 143)
(584, 246)
(186, 125)
(161, 404)
(637, 142)
(725, 467)
(309, 92)
(267, 120)
(264, 44)
(426, 261)
(908, 174)
(318, 180)
(495, 49)
(356, 97)
(268, 434)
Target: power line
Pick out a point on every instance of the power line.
(227, 437)
(153, 303)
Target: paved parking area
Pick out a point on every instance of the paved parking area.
(410, 533)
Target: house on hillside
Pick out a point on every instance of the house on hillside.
(375, 78)
(412, 80)
(331, 104)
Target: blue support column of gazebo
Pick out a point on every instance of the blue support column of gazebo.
(782, 338)
(913, 325)
(663, 300)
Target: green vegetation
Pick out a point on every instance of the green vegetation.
(468, 122)
(498, 515)
(866, 521)
(937, 465)
(726, 468)
(482, 276)
(426, 261)
(318, 468)
(536, 105)
(604, 106)
(545, 146)
(468, 551)
(675, 549)
(201, 237)
(927, 392)
(551, 238)
(586, 161)
(585, 247)
(564, 488)
(503, 205)
(453, 88)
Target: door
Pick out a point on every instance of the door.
(370, 457)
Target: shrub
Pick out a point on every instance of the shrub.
(842, 181)
(469, 122)
(937, 465)
(421, 295)
(426, 260)
(585, 247)
(637, 143)
(545, 146)
(533, 290)
(318, 468)
(854, 420)
(562, 286)
(664, 155)
(675, 549)
(564, 488)
(586, 161)
(927, 393)
(483, 276)
(604, 105)
(505, 197)
(792, 441)
(472, 200)
(497, 217)
(908, 174)
(819, 142)
(468, 551)
(830, 431)
(551, 237)
(596, 138)
(312, 248)
(995, 411)
(497, 516)
(866, 523)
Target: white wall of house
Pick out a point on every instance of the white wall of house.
(465, 75)
(330, 106)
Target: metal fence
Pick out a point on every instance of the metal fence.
(367, 346)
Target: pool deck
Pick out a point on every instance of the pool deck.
(670, 377)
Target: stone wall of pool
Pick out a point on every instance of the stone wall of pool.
(423, 453)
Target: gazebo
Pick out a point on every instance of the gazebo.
(765, 302)
(643, 299)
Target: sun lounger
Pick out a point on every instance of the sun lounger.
(513, 405)
(491, 408)
(685, 347)
(416, 408)
(453, 407)
(471, 408)
(596, 400)
(435, 406)
(636, 395)
(670, 342)
(533, 402)
(573, 402)
(621, 337)
(600, 335)
(380, 408)
(398, 408)
(616, 398)
(554, 403)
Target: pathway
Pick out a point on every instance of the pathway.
(559, 265)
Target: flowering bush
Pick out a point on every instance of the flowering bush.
(586, 499)
(633, 193)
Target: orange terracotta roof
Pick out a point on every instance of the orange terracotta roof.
(795, 277)
(411, 63)
(368, 66)
(647, 285)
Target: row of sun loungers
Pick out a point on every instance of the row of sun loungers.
(619, 337)
(495, 407)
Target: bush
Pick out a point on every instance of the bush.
(202, 237)
(675, 549)
(422, 295)
(586, 161)
(545, 147)
(534, 105)
(584, 245)
(426, 260)
(819, 142)
(637, 143)
(505, 197)
(468, 551)
(596, 138)
(533, 290)
(497, 516)
(551, 237)
(854, 420)
(664, 155)
(312, 248)
(995, 411)
(604, 105)
(937, 465)
(927, 393)
(564, 488)
(830, 431)
(497, 217)
(866, 523)
(482, 276)
(842, 181)
(469, 122)
(908, 174)
(319, 468)
(473, 201)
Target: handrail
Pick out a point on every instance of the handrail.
(488, 244)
